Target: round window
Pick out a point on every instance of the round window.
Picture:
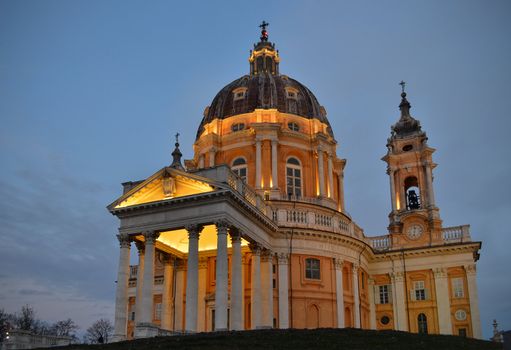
(460, 315)
(385, 320)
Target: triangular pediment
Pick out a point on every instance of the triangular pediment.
(168, 183)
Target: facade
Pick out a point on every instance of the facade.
(253, 231)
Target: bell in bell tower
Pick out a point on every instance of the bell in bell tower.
(410, 169)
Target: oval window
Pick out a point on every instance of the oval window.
(385, 320)
(407, 148)
(237, 127)
(293, 126)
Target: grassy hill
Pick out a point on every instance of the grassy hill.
(300, 339)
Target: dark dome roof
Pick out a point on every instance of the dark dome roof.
(265, 91)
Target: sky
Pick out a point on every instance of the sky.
(92, 92)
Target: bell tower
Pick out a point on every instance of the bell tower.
(414, 217)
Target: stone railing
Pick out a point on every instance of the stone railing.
(456, 234)
(19, 339)
(313, 219)
(380, 242)
(222, 173)
(325, 202)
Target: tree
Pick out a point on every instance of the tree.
(64, 328)
(99, 330)
(26, 319)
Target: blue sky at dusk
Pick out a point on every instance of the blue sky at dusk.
(91, 93)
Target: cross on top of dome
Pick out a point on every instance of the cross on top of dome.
(264, 33)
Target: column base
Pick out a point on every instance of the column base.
(221, 330)
(264, 327)
(146, 330)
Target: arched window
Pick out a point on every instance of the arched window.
(412, 192)
(422, 324)
(294, 177)
(312, 269)
(239, 167)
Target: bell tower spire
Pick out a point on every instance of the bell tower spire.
(264, 58)
(410, 169)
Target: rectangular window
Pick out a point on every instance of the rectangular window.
(457, 287)
(157, 311)
(419, 290)
(312, 269)
(384, 294)
(462, 332)
(133, 315)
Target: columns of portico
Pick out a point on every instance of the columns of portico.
(167, 305)
(356, 296)
(442, 301)
(255, 295)
(470, 270)
(283, 260)
(339, 291)
(140, 281)
(258, 164)
(267, 288)
(148, 279)
(274, 165)
(330, 176)
(236, 282)
(221, 296)
(321, 172)
(121, 296)
(399, 301)
(372, 306)
(192, 277)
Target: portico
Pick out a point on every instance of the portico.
(219, 226)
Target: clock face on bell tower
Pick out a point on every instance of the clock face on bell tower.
(415, 231)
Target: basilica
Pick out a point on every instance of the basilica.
(253, 232)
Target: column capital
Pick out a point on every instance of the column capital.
(338, 263)
(124, 240)
(140, 247)
(371, 281)
(266, 255)
(355, 267)
(203, 262)
(397, 276)
(440, 272)
(255, 248)
(151, 236)
(235, 235)
(222, 225)
(274, 142)
(166, 259)
(194, 230)
(283, 258)
(471, 269)
(390, 170)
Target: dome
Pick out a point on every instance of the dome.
(264, 88)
